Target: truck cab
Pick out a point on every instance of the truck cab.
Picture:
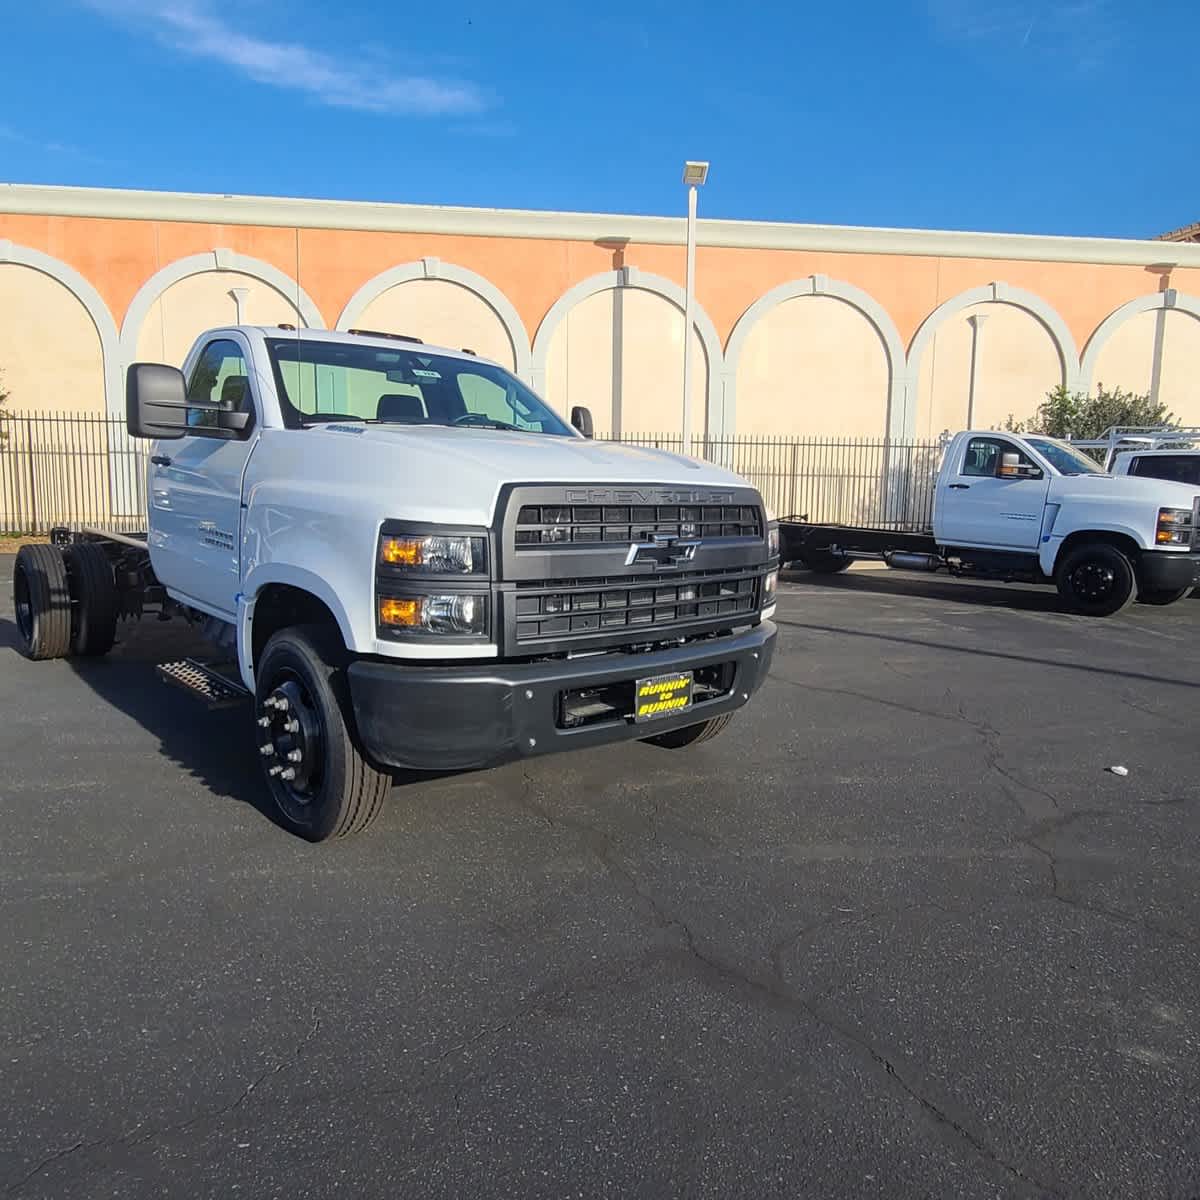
(415, 564)
(1179, 465)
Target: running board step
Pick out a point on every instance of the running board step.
(203, 682)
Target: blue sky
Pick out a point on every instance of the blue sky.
(1045, 116)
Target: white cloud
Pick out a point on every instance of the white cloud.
(194, 28)
(17, 138)
(1082, 33)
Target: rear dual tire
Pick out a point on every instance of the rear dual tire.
(65, 601)
(821, 562)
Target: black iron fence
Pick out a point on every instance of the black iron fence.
(67, 468)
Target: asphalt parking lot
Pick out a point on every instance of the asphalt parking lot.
(897, 933)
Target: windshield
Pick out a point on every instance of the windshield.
(1066, 460)
(327, 381)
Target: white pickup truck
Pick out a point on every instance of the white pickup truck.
(1026, 507)
(407, 561)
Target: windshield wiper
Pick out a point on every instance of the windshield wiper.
(323, 418)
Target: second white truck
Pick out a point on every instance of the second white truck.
(1033, 508)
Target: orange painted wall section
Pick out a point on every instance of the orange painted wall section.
(809, 351)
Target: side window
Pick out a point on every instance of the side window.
(1179, 468)
(983, 456)
(487, 398)
(219, 382)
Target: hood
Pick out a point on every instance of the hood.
(1091, 489)
(449, 475)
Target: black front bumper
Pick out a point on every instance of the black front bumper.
(480, 714)
(1166, 570)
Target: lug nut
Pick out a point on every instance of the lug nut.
(265, 722)
(266, 749)
(275, 770)
(295, 755)
(292, 725)
(290, 773)
(281, 703)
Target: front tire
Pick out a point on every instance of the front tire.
(1096, 579)
(1162, 596)
(42, 600)
(690, 735)
(301, 705)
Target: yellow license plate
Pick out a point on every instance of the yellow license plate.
(662, 696)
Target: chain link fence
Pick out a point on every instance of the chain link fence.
(72, 469)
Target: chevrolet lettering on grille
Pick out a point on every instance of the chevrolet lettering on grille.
(665, 551)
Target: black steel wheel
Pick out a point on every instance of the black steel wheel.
(1096, 579)
(94, 592)
(42, 601)
(690, 735)
(320, 782)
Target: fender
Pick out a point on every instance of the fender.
(297, 577)
(1052, 543)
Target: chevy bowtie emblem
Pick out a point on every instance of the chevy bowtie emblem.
(664, 550)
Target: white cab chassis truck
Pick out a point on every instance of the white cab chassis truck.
(1037, 509)
(407, 561)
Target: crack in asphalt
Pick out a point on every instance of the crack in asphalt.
(127, 1139)
(772, 988)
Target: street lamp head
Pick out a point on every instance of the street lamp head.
(695, 173)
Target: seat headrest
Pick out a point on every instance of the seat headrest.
(400, 406)
(233, 391)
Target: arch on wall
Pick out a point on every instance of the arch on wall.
(97, 310)
(990, 293)
(659, 285)
(198, 264)
(1169, 299)
(433, 268)
(819, 285)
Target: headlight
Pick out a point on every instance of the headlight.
(773, 539)
(433, 554)
(1174, 527)
(769, 585)
(462, 615)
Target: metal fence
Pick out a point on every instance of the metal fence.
(832, 481)
(65, 468)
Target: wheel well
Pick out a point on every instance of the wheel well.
(1121, 541)
(279, 606)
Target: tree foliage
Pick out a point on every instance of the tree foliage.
(1076, 414)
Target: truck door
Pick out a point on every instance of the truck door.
(981, 505)
(195, 484)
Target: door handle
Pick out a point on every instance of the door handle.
(956, 486)
(161, 460)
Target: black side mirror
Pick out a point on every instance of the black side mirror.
(581, 418)
(155, 401)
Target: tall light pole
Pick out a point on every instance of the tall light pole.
(694, 175)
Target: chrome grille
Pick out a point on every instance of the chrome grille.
(564, 609)
(543, 524)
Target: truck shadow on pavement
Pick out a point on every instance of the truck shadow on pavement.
(217, 748)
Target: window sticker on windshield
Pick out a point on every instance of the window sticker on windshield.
(425, 374)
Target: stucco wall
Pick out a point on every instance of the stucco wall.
(50, 352)
(813, 366)
(620, 353)
(187, 308)
(443, 313)
(493, 281)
